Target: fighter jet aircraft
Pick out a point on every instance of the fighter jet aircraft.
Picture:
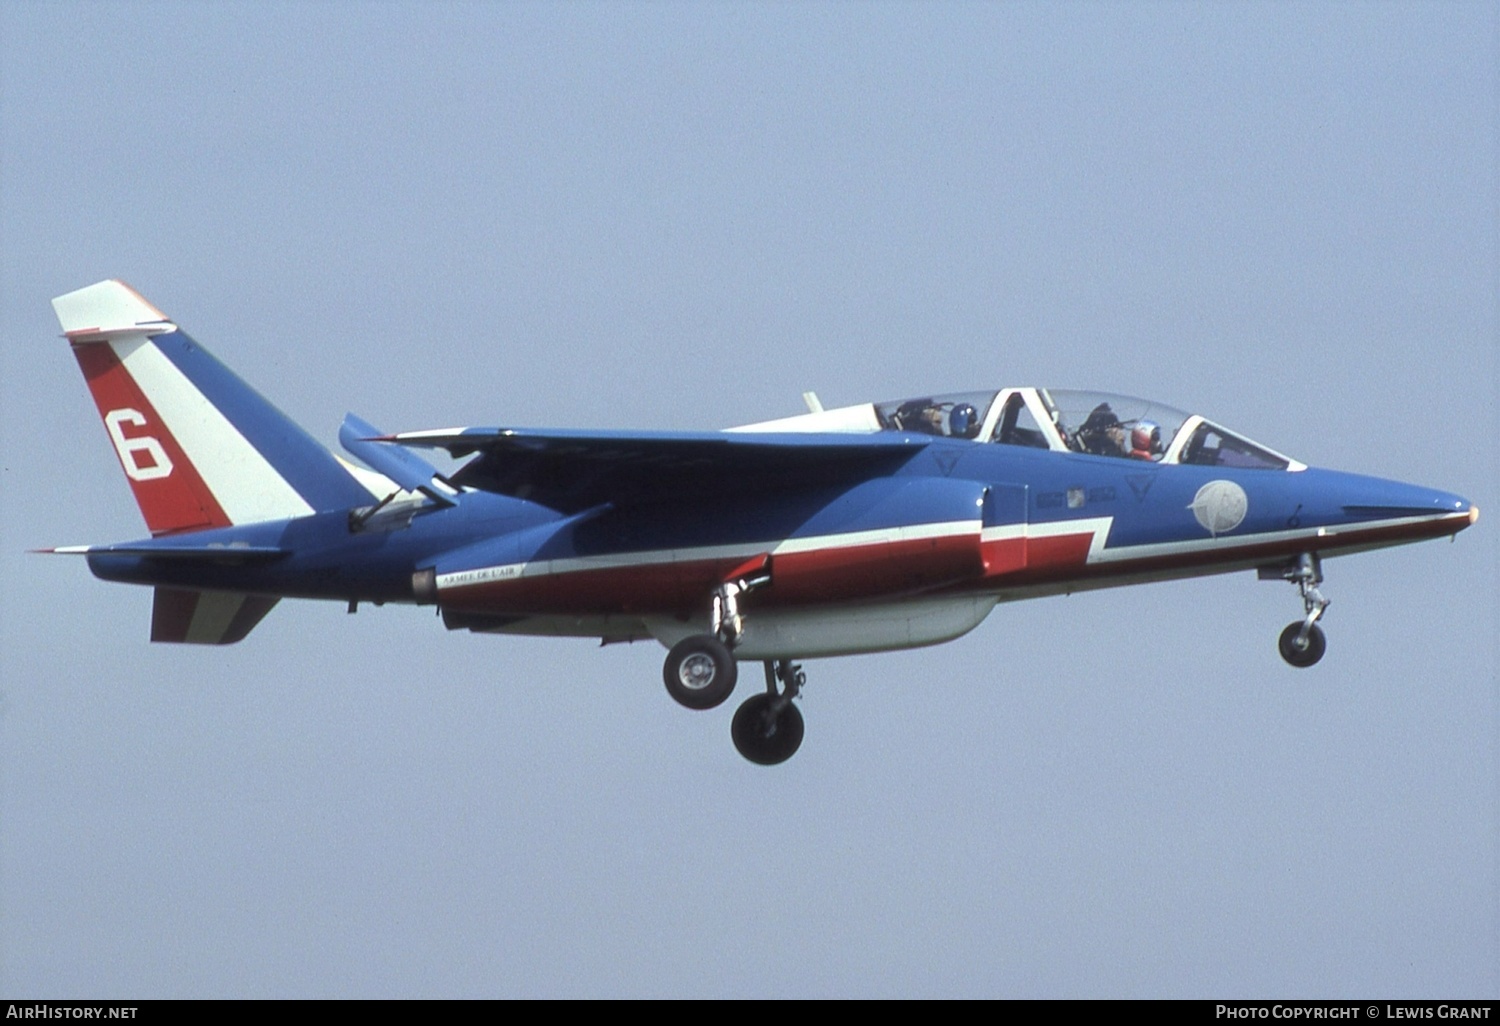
(872, 527)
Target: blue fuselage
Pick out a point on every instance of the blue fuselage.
(1038, 521)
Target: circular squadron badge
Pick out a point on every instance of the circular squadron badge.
(1220, 506)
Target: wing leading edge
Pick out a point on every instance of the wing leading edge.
(574, 470)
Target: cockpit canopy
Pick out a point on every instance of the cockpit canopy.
(1065, 420)
(960, 415)
(1062, 420)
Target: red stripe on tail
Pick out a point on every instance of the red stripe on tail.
(171, 494)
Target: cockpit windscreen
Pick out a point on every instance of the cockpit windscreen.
(1212, 446)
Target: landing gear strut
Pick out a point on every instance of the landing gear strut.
(1302, 642)
(768, 728)
(700, 671)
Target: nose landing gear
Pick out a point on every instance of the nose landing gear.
(1302, 642)
(768, 728)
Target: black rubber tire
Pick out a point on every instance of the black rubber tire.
(763, 743)
(1304, 655)
(700, 672)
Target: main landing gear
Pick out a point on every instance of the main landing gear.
(700, 672)
(1302, 642)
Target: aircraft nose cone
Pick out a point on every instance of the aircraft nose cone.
(1393, 508)
(1373, 496)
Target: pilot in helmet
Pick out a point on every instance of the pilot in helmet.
(1145, 440)
(963, 421)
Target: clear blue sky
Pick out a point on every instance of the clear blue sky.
(682, 216)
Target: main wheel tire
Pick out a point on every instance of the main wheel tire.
(1298, 652)
(700, 672)
(762, 740)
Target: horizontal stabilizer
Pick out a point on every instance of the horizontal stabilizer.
(165, 549)
(191, 617)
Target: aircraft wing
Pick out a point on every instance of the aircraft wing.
(575, 470)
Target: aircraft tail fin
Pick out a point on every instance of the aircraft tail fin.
(205, 617)
(199, 447)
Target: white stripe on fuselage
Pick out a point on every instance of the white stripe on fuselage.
(1097, 528)
(853, 539)
(1316, 536)
(747, 550)
(243, 483)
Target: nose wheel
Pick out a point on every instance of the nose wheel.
(1302, 642)
(768, 728)
(1301, 645)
